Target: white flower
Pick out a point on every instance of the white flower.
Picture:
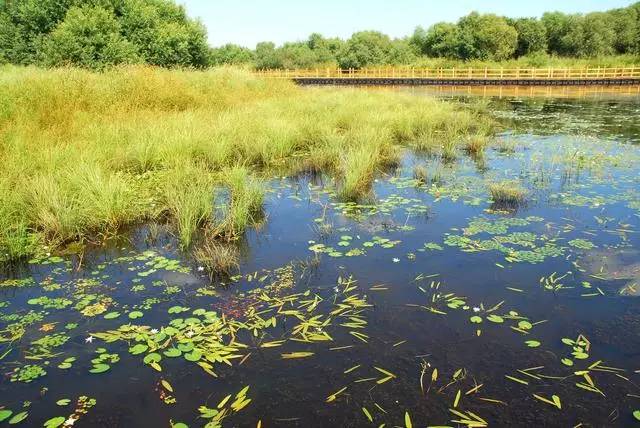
(476, 309)
(89, 339)
(396, 260)
(69, 422)
(153, 331)
(200, 268)
(336, 289)
(190, 333)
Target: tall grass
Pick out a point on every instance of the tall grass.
(85, 153)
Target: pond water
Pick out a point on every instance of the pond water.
(427, 306)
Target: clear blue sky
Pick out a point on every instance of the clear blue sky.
(246, 22)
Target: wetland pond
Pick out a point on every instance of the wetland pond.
(426, 306)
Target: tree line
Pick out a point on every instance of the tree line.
(99, 33)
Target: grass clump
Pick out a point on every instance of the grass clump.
(189, 199)
(86, 153)
(244, 205)
(217, 257)
(507, 193)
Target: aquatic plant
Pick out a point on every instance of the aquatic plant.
(87, 153)
(507, 192)
(217, 257)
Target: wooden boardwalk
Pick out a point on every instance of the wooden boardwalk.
(461, 76)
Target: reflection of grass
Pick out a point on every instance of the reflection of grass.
(507, 192)
(86, 153)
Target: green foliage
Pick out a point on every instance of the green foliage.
(486, 37)
(532, 36)
(99, 33)
(89, 36)
(366, 48)
(231, 54)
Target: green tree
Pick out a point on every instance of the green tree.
(401, 52)
(532, 36)
(89, 36)
(231, 54)
(626, 27)
(441, 40)
(363, 49)
(266, 56)
(564, 32)
(487, 37)
(159, 31)
(598, 35)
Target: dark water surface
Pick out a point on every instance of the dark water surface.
(429, 303)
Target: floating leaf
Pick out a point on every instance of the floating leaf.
(99, 368)
(475, 319)
(367, 414)
(495, 318)
(297, 355)
(138, 349)
(567, 362)
(152, 358)
(4, 414)
(135, 315)
(407, 420)
(172, 353)
(111, 315)
(63, 402)
(532, 343)
(55, 422)
(19, 417)
(166, 385)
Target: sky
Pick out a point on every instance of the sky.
(247, 22)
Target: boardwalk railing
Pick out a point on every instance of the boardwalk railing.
(546, 74)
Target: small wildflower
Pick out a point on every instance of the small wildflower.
(396, 260)
(89, 339)
(476, 309)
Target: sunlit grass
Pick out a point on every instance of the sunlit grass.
(84, 153)
(508, 193)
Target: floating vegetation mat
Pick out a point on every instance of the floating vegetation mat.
(428, 304)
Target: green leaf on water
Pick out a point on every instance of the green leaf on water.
(99, 368)
(475, 319)
(55, 422)
(138, 349)
(367, 414)
(111, 315)
(636, 414)
(172, 353)
(16, 419)
(63, 402)
(135, 315)
(532, 343)
(193, 356)
(524, 325)
(495, 318)
(4, 414)
(407, 420)
(567, 362)
(152, 358)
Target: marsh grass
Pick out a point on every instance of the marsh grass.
(85, 153)
(507, 193)
(216, 257)
(475, 145)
